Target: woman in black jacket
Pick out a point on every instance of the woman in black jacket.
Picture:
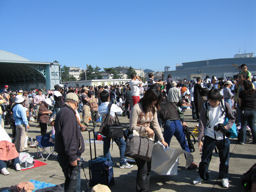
(247, 100)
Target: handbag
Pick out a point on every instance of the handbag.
(112, 128)
(139, 147)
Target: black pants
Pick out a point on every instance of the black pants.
(208, 147)
(94, 115)
(43, 127)
(143, 175)
(72, 174)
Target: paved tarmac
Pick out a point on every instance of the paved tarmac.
(242, 158)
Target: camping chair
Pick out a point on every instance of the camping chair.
(45, 146)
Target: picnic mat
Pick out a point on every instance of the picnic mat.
(40, 184)
(36, 164)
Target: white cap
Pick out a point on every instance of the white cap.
(228, 83)
(57, 93)
(19, 99)
(48, 101)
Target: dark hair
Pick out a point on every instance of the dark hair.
(198, 79)
(248, 87)
(104, 96)
(152, 94)
(243, 65)
(133, 75)
(150, 75)
(90, 93)
(214, 94)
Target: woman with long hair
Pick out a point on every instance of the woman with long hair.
(143, 115)
(247, 101)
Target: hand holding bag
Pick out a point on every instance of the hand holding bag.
(139, 147)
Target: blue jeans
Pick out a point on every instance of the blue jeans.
(121, 144)
(71, 173)
(175, 128)
(248, 118)
(208, 147)
(229, 101)
(3, 164)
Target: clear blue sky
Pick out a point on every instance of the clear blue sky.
(138, 33)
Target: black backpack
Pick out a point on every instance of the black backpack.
(190, 138)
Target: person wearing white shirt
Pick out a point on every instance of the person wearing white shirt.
(114, 110)
(135, 90)
(212, 117)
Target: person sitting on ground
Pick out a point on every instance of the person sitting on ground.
(211, 126)
(8, 153)
(114, 110)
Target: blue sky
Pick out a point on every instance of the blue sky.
(138, 33)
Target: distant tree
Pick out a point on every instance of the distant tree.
(130, 71)
(64, 73)
(82, 76)
(72, 78)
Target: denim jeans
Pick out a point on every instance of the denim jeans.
(208, 147)
(3, 164)
(175, 128)
(143, 175)
(248, 118)
(229, 101)
(121, 144)
(71, 173)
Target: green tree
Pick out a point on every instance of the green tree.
(64, 73)
(130, 71)
(72, 78)
(82, 76)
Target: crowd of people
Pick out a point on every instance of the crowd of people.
(155, 109)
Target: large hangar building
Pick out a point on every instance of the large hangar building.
(20, 73)
(226, 67)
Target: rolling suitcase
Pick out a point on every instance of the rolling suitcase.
(100, 169)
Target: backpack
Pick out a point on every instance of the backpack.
(190, 138)
(93, 104)
(111, 126)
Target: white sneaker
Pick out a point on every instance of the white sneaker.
(17, 166)
(4, 171)
(225, 182)
(126, 166)
(198, 180)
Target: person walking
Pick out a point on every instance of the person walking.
(69, 143)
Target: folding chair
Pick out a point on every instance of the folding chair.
(45, 146)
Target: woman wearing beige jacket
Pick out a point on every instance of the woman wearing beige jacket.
(144, 114)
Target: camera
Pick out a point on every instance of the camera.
(220, 127)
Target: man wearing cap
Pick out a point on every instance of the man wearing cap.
(69, 143)
(174, 93)
(227, 93)
(21, 123)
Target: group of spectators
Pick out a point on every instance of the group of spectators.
(155, 110)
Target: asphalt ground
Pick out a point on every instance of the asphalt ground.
(242, 158)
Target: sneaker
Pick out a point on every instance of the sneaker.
(225, 182)
(4, 171)
(126, 166)
(198, 180)
(17, 166)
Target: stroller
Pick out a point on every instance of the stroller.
(45, 146)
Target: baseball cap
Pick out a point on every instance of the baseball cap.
(73, 97)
